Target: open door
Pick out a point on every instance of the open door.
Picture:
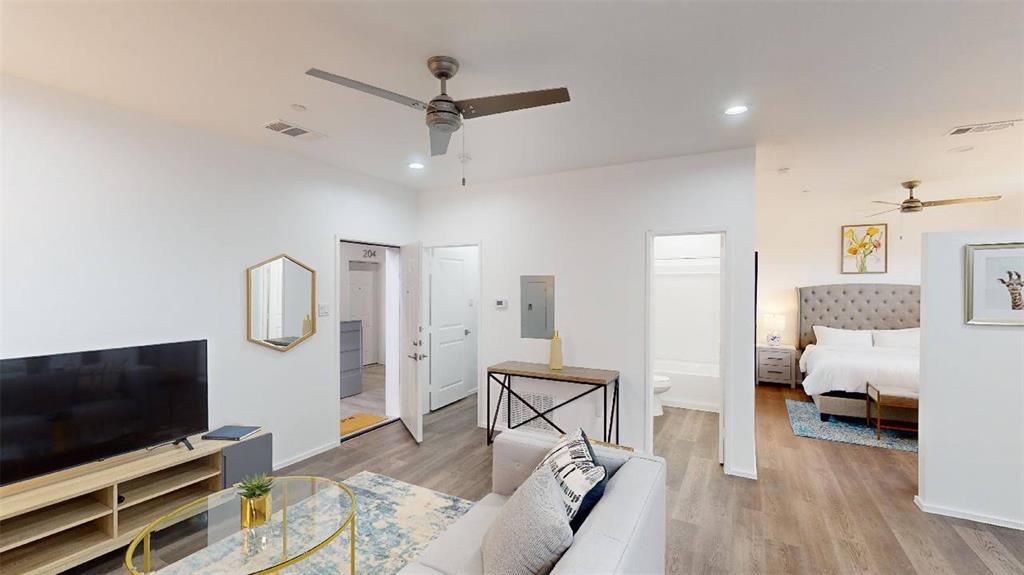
(413, 370)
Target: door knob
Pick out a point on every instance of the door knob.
(468, 332)
(413, 357)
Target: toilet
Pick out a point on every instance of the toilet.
(661, 384)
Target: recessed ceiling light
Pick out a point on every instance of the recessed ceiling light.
(960, 149)
(416, 166)
(298, 107)
(735, 110)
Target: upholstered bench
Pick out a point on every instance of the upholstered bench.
(892, 397)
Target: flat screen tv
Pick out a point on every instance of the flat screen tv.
(58, 411)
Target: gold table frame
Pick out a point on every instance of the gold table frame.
(349, 523)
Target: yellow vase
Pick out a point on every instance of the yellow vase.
(555, 361)
(255, 510)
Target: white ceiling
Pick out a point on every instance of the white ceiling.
(867, 89)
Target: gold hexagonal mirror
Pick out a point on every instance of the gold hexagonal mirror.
(281, 301)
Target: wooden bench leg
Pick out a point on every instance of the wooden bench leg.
(867, 410)
(878, 419)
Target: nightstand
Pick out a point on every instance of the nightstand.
(777, 364)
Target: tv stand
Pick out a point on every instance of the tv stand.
(56, 521)
(184, 441)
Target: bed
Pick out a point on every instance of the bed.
(835, 378)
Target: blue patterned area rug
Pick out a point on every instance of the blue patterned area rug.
(395, 521)
(806, 421)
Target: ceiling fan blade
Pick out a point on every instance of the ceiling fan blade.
(886, 203)
(477, 107)
(885, 212)
(373, 90)
(953, 201)
(439, 142)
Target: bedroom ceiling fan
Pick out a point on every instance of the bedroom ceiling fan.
(912, 204)
(444, 114)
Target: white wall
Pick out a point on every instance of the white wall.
(686, 294)
(971, 458)
(588, 229)
(798, 233)
(121, 229)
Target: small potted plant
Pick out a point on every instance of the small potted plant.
(255, 496)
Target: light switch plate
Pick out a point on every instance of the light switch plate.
(323, 310)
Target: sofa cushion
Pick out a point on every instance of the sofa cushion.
(625, 533)
(457, 550)
(531, 532)
(580, 478)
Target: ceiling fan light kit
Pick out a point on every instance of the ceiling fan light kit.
(913, 205)
(444, 115)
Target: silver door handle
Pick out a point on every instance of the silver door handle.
(413, 357)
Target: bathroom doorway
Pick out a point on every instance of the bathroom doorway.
(685, 325)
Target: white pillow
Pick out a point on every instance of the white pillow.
(898, 338)
(842, 337)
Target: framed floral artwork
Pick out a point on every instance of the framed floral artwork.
(865, 249)
(993, 284)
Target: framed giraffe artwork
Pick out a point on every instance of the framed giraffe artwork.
(994, 284)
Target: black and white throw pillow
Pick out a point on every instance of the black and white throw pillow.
(581, 479)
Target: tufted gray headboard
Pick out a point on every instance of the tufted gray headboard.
(857, 306)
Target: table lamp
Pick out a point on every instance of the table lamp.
(775, 324)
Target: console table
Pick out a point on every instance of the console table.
(595, 379)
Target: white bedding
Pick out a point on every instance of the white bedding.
(830, 368)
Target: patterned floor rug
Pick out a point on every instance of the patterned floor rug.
(395, 521)
(806, 421)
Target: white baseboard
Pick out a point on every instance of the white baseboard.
(959, 514)
(306, 455)
(744, 473)
(695, 405)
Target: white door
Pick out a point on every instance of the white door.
(413, 370)
(449, 330)
(362, 289)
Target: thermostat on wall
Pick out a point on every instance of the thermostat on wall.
(501, 303)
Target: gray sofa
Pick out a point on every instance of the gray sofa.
(625, 532)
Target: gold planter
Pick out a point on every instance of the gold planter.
(255, 510)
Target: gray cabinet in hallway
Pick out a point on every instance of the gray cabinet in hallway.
(351, 358)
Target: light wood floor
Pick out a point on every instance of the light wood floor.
(818, 506)
(371, 400)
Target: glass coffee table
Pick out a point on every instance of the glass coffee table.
(206, 535)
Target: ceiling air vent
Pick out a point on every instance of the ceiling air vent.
(979, 128)
(288, 129)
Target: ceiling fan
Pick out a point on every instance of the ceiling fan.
(445, 115)
(912, 204)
